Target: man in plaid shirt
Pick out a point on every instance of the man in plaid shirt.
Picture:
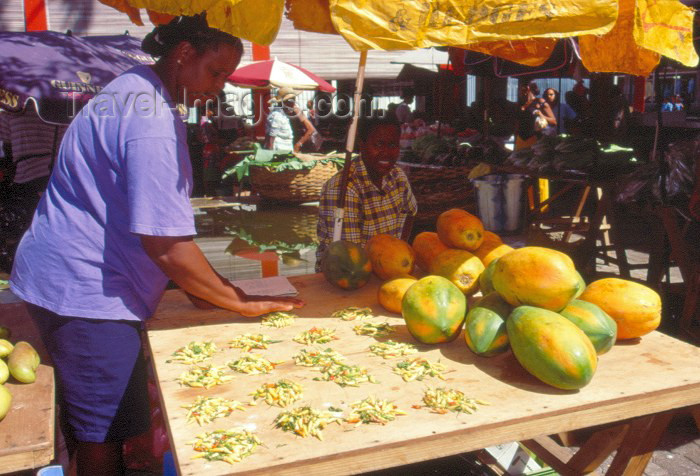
(379, 197)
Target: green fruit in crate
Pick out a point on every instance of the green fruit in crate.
(346, 265)
(5, 401)
(23, 362)
(594, 322)
(5, 347)
(434, 310)
(4, 372)
(5, 332)
(551, 347)
(485, 326)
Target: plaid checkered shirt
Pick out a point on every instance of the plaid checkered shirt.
(368, 210)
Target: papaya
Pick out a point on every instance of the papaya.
(434, 310)
(485, 326)
(491, 248)
(635, 308)
(594, 322)
(536, 276)
(23, 362)
(391, 293)
(459, 266)
(4, 372)
(5, 401)
(458, 228)
(581, 285)
(5, 332)
(551, 347)
(346, 265)
(391, 257)
(5, 347)
(486, 278)
(427, 245)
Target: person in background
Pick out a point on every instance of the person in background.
(302, 127)
(403, 110)
(534, 116)
(30, 147)
(278, 128)
(563, 114)
(667, 105)
(114, 224)
(285, 121)
(379, 197)
(678, 103)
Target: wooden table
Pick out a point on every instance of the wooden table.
(635, 379)
(27, 432)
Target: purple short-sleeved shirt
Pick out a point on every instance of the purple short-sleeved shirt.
(123, 169)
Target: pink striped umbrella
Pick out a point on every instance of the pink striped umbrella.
(278, 74)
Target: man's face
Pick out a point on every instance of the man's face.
(380, 151)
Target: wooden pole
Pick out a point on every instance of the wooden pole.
(349, 146)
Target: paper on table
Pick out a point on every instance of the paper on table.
(273, 286)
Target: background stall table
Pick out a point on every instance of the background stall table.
(638, 378)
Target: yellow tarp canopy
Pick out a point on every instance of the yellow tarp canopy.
(524, 32)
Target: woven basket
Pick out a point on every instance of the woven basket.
(438, 188)
(291, 186)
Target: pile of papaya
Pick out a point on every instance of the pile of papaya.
(533, 300)
(20, 361)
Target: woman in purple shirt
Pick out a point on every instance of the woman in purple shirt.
(114, 225)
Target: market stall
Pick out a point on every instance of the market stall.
(643, 381)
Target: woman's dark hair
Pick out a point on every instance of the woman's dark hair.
(193, 29)
(556, 95)
(534, 88)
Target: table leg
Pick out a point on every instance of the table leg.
(598, 447)
(639, 443)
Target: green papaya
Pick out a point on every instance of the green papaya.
(594, 322)
(23, 362)
(5, 332)
(485, 326)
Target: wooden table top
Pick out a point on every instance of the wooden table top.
(27, 432)
(654, 374)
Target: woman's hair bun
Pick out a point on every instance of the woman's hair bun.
(193, 29)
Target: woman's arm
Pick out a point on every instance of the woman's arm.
(309, 130)
(547, 113)
(183, 261)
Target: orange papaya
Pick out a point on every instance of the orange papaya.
(635, 308)
(536, 276)
(459, 266)
(427, 245)
(391, 257)
(458, 228)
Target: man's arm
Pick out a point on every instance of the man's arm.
(183, 261)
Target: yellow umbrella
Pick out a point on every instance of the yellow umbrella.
(413, 24)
